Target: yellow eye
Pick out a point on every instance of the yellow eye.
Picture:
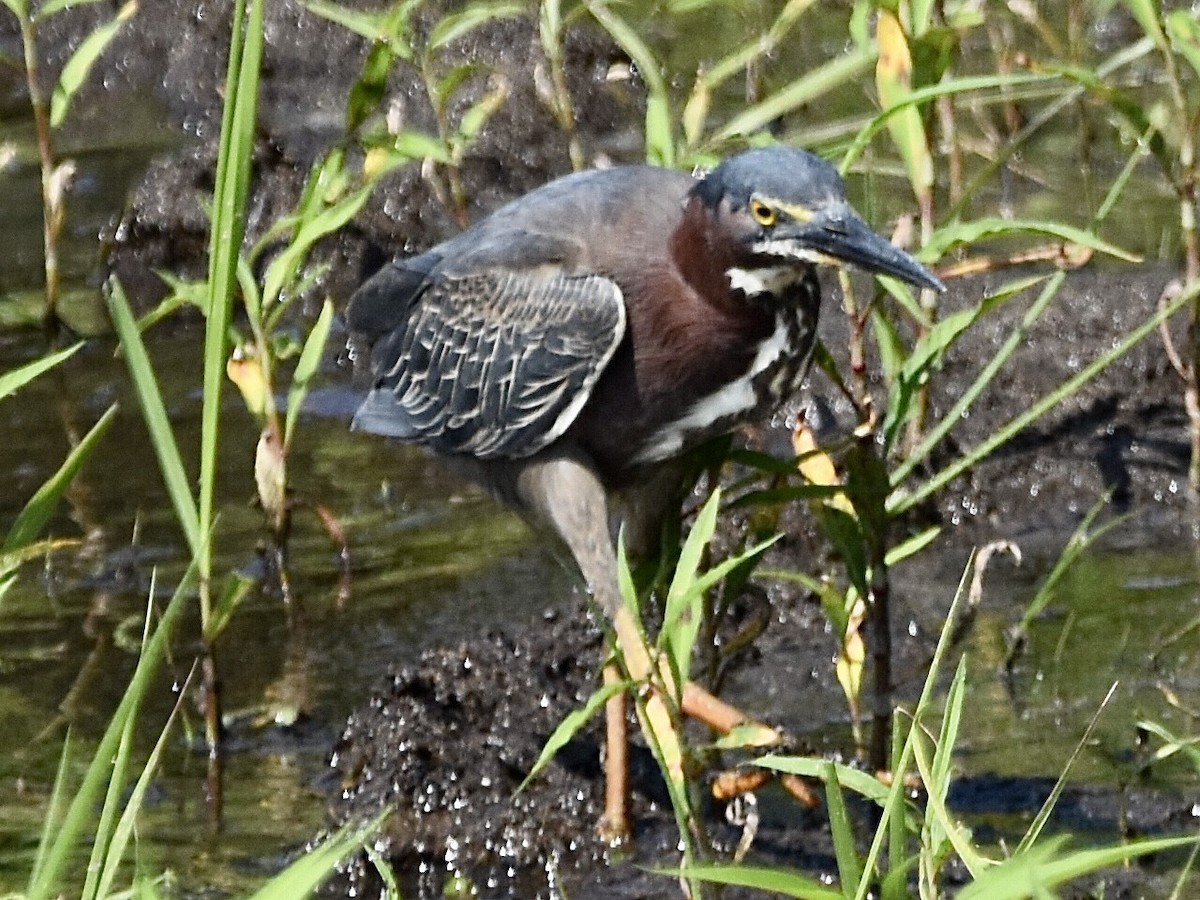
(763, 214)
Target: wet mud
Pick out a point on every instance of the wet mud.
(447, 741)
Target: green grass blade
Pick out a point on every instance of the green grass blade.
(894, 804)
(958, 836)
(1043, 816)
(307, 873)
(849, 865)
(37, 512)
(229, 210)
(154, 411)
(103, 831)
(124, 830)
(17, 378)
(862, 783)
(456, 25)
(681, 618)
(923, 95)
(79, 814)
(76, 70)
(306, 368)
(844, 68)
(1047, 866)
(570, 726)
(958, 234)
(780, 881)
(1070, 387)
(284, 266)
(54, 813)
(1081, 538)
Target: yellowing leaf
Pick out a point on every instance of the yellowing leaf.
(893, 80)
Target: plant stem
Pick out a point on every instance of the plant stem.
(51, 194)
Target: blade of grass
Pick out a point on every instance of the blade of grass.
(1043, 866)
(54, 812)
(1039, 821)
(1001, 436)
(895, 799)
(11, 381)
(37, 512)
(76, 70)
(78, 815)
(308, 872)
(108, 811)
(229, 210)
(840, 827)
(154, 411)
(780, 881)
(570, 726)
(844, 68)
(306, 368)
(133, 805)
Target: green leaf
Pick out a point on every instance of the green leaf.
(1185, 36)
(1048, 866)
(862, 783)
(781, 881)
(842, 830)
(955, 234)
(419, 145)
(570, 726)
(681, 620)
(477, 115)
(306, 368)
(154, 411)
(847, 537)
(922, 95)
(76, 70)
(37, 512)
(313, 867)
(133, 803)
(1145, 12)
(228, 227)
(892, 351)
(959, 837)
(912, 546)
(283, 268)
(456, 25)
(14, 379)
(56, 853)
(371, 25)
(845, 68)
(236, 589)
(370, 88)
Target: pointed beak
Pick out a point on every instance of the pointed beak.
(838, 233)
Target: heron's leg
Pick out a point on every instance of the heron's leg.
(566, 493)
(614, 829)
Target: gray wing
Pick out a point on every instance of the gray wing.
(493, 364)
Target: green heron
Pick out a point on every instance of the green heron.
(572, 348)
